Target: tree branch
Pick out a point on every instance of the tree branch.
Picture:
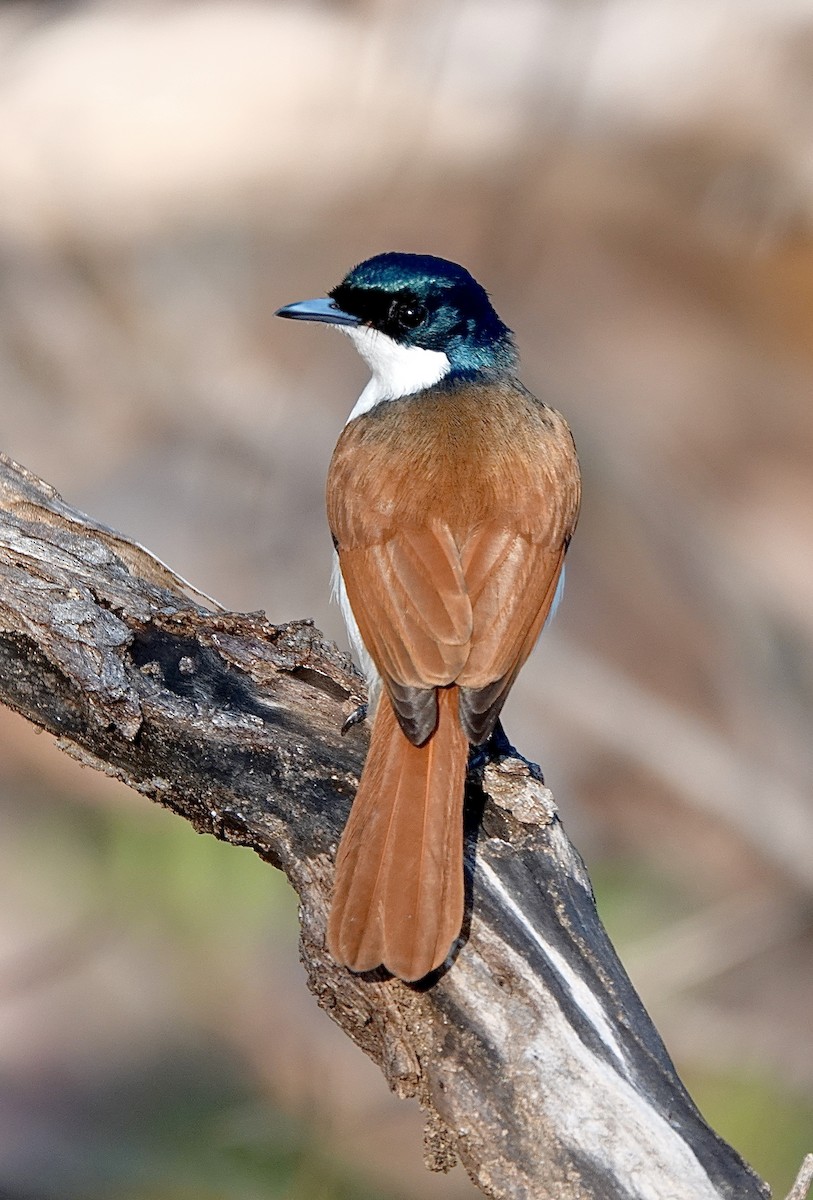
(532, 1056)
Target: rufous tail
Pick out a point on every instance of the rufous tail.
(398, 896)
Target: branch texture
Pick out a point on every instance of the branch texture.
(532, 1056)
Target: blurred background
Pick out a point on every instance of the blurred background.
(633, 182)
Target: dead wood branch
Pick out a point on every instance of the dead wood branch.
(533, 1057)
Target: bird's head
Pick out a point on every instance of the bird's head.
(415, 319)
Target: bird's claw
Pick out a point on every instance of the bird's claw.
(495, 750)
(356, 717)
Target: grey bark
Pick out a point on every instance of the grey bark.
(531, 1055)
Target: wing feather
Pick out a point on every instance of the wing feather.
(485, 485)
(410, 599)
(511, 581)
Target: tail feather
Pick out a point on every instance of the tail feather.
(398, 897)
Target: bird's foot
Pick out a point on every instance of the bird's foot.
(356, 717)
(495, 750)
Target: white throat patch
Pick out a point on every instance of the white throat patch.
(397, 370)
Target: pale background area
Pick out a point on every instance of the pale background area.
(633, 182)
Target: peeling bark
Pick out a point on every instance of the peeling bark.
(531, 1055)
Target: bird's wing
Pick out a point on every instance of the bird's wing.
(451, 564)
(409, 597)
(431, 614)
(511, 581)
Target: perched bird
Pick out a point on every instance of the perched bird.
(452, 496)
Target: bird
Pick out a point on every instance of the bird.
(452, 496)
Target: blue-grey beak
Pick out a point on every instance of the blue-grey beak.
(318, 310)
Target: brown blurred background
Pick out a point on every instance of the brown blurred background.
(633, 182)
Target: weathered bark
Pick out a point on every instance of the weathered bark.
(532, 1055)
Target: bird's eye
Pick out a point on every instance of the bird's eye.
(406, 314)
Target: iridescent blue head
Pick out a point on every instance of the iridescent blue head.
(420, 300)
(416, 317)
